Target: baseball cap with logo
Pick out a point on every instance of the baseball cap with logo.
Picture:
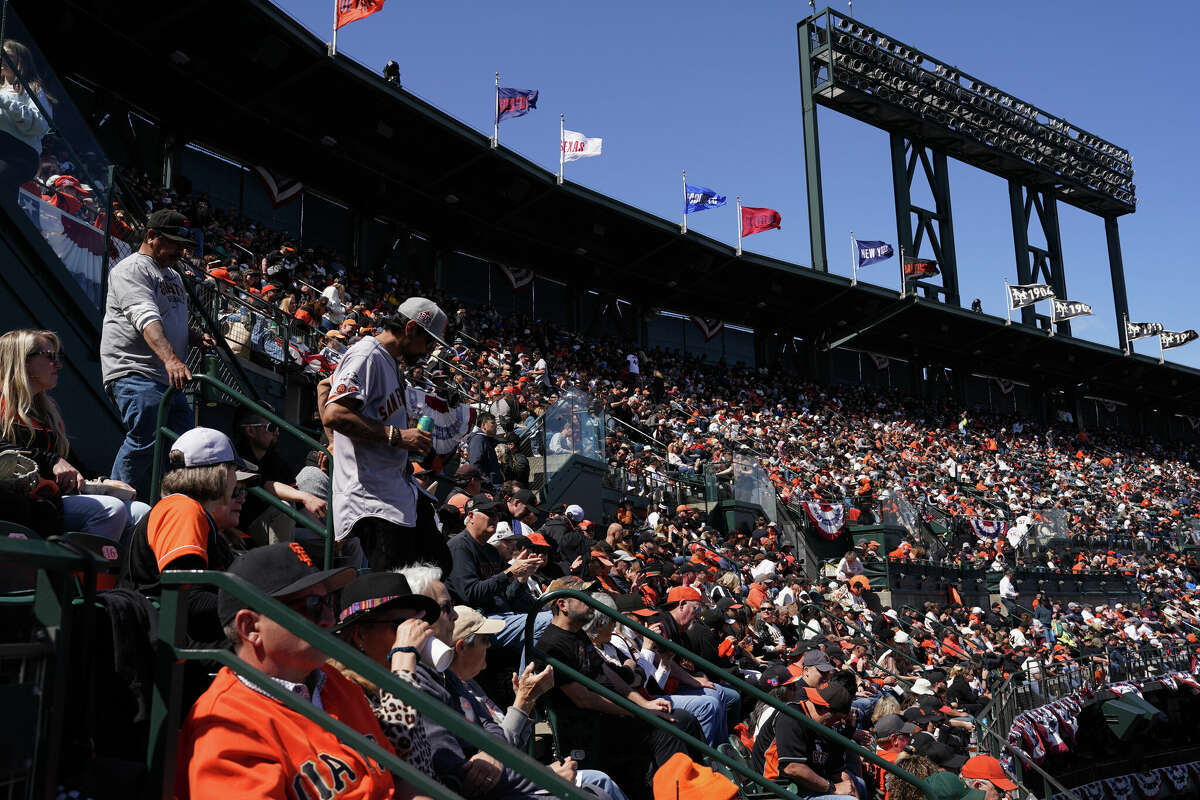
(574, 513)
(278, 570)
(207, 447)
(170, 225)
(480, 502)
(425, 313)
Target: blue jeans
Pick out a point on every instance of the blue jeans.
(513, 635)
(708, 710)
(599, 780)
(101, 515)
(137, 398)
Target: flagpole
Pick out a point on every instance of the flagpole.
(903, 286)
(853, 262)
(1007, 303)
(1125, 331)
(496, 115)
(562, 122)
(333, 46)
(739, 224)
(1160, 349)
(683, 228)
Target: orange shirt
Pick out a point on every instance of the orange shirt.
(755, 596)
(239, 743)
(177, 527)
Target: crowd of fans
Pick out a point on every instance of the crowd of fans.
(479, 550)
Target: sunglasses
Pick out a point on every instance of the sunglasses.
(55, 356)
(312, 607)
(270, 426)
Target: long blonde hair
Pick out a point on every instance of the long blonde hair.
(25, 67)
(20, 406)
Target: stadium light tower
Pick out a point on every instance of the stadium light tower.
(933, 111)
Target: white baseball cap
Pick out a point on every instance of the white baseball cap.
(207, 447)
(574, 513)
(503, 531)
(427, 314)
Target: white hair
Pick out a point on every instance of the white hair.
(599, 620)
(421, 577)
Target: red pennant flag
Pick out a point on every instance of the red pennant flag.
(350, 10)
(757, 220)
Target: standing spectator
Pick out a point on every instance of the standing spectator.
(481, 450)
(144, 344)
(22, 124)
(505, 409)
(377, 499)
(1008, 592)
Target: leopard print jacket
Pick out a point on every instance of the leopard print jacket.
(401, 723)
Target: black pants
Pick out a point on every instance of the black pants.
(629, 750)
(389, 546)
(18, 163)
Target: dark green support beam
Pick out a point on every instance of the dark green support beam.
(1116, 269)
(1038, 264)
(812, 152)
(933, 225)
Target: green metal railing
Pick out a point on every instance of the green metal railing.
(867, 634)
(54, 591)
(166, 710)
(815, 728)
(161, 432)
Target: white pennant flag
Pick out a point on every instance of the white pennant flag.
(576, 146)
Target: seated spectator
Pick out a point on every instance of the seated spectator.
(30, 361)
(484, 579)
(258, 439)
(985, 774)
(390, 624)
(816, 765)
(200, 499)
(621, 745)
(239, 742)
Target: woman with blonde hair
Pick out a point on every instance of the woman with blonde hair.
(22, 123)
(30, 361)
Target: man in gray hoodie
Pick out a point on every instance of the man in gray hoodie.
(144, 344)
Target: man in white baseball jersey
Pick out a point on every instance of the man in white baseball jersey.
(376, 500)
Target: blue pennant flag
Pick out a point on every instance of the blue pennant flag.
(515, 102)
(872, 252)
(698, 198)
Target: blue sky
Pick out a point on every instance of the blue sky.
(714, 88)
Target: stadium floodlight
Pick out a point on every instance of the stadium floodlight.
(989, 128)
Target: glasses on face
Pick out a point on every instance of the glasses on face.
(270, 426)
(312, 607)
(54, 356)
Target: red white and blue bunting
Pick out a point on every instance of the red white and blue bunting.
(829, 519)
(1155, 783)
(989, 528)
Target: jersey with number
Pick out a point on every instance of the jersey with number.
(370, 479)
(631, 362)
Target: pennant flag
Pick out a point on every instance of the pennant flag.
(881, 362)
(699, 198)
(757, 220)
(282, 190)
(872, 252)
(1068, 309)
(1140, 330)
(1022, 295)
(1006, 386)
(919, 268)
(350, 10)
(514, 102)
(1169, 339)
(709, 326)
(517, 277)
(576, 146)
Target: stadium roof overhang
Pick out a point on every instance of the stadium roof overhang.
(256, 85)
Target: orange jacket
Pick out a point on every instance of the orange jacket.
(237, 742)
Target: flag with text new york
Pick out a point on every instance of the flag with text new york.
(872, 252)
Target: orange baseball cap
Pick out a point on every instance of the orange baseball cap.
(537, 539)
(987, 768)
(682, 594)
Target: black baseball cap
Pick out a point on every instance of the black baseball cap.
(278, 570)
(891, 724)
(527, 497)
(170, 225)
(480, 502)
